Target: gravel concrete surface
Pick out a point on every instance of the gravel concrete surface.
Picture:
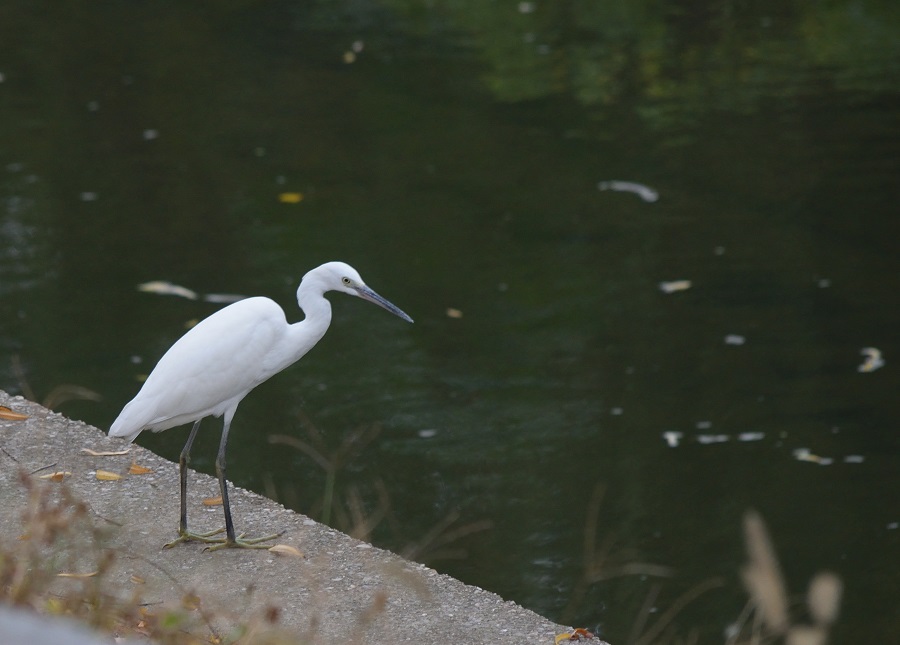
(341, 590)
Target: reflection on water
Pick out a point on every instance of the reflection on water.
(487, 166)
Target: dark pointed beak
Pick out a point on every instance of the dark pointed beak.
(367, 294)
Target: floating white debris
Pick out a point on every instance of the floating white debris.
(644, 192)
(804, 454)
(854, 459)
(893, 526)
(222, 298)
(707, 439)
(672, 438)
(751, 436)
(719, 250)
(88, 196)
(823, 283)
(671, 286)
(616, 412)
(526, 7)
(428, 433)
(735, 339)
(873, 360)
(703, 425)
(150, 134)
(164, 288)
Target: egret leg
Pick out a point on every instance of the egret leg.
(183, 534)
(231, 540)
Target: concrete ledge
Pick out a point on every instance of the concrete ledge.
(343, 590)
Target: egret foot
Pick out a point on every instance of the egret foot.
(240, 543)
(186, 536)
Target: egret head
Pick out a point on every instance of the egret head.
(339, 276)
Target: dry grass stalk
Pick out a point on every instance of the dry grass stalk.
(762, 575)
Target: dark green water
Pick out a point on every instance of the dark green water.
(455, 163)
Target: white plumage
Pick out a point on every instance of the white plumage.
(210, 369)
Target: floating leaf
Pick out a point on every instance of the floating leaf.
(454, 313)
(106, 476)
(873, 360)
(223, 298)
(137, 469)
(105, 453)
(212, 501)
(286, 549)
(804, 454)
(672, 286)
(290, 198)
(58, 476)
(644, 192)
(165, 288)
(7, 414)
(673, 438)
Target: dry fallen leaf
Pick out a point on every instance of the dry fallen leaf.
(454, 313)
(579, 634)
(76, 575)
(137, 580)
(106, 476)
(137, 469)
(286, 549)
(9, 415)
(212, 501)
(105, 453)
(58, 476)
(190, 601)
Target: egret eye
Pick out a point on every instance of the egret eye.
(346, 280)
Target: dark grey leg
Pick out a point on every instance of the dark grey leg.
(232, 540)
(183, 462)
(183, 534)
(223, 485)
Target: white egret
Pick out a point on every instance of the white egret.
(210, 369)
